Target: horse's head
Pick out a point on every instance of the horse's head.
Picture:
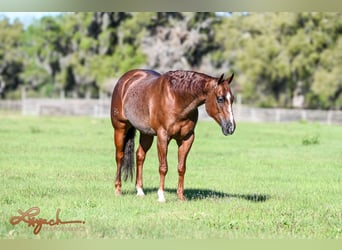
(219, 105)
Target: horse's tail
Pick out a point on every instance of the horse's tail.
(128, 160)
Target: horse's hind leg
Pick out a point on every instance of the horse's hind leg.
(119, 141)
(145, 143)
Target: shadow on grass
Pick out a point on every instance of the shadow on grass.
(198, 194)
(201, 194)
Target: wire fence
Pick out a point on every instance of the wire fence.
(101, 108)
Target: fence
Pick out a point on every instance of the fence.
(101, 107)
(250, 114)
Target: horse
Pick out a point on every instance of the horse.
(166, 106)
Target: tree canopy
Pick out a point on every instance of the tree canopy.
(275, 56)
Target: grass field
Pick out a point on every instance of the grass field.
(266, 181)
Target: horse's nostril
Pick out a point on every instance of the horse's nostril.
(231, 130)
(230, 127)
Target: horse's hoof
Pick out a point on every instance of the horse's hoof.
(140, 192)
(117, 193)
(161, 197)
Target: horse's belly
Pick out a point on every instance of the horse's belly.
(143, 128)
(139, 117)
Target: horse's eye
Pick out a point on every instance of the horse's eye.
(220, 99)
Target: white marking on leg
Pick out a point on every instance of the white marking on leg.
(140, 192)
(161, 197)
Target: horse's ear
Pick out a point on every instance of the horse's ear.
(230, 79)
(220, 79)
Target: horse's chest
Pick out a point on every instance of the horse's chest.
(181, 129)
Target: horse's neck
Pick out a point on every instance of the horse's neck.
(190, 87)
(194, 100)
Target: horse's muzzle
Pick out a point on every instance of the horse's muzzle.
(228, 128)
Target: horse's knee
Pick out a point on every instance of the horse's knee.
(181, 170)
(140, 156)
(119, 156)
(163, 169)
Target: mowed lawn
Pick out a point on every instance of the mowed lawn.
(266, 181)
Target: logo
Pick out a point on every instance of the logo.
(29, 217)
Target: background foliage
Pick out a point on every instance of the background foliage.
(275, 56)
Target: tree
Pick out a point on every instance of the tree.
(10, 56)
(275, 56)
(179, 41)
(327, 79)
(278, 53)
(76, 53)
(43, 44)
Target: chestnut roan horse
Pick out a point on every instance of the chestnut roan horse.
(164, 105)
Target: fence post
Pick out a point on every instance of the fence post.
(62, 95)
(277, 115)
(303, 114)
(329, 116)
(23, 100)
(253, 115)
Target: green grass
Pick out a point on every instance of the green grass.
(266, 181)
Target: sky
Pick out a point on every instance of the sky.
(26, 17)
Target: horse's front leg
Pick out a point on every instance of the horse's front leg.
(162, 145)
(184, 147)
(145, 143)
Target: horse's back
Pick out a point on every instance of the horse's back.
(130, 97)
(135, 76)
(138, 74)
